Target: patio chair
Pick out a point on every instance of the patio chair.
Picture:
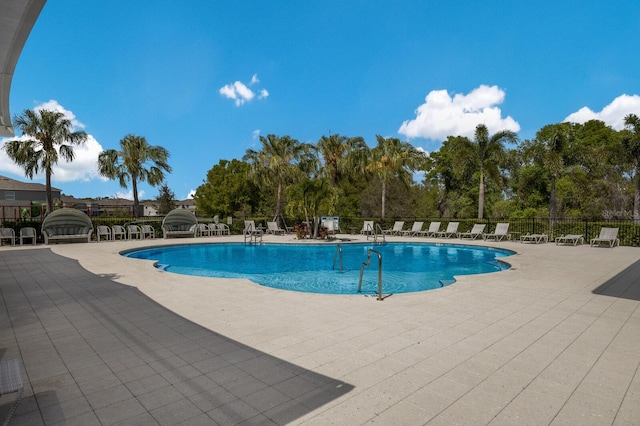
(202, 230)
(273, 228)
(134, 231)
(501, 231)
(416, 229)
(367, 228)
(608, 236)
(213, 229)
(573, 239)
(28, 232)
(104, 232)
(452, 229)
(8, 234)
(434, 228)
(148, 231)
(396, 230)
(223, 229)
(11, 381)
(476, 231)
(118, 231)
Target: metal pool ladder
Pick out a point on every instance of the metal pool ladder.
(367, 264)
(375, 235)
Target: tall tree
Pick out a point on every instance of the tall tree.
(484, 154)
(165, 199)
(342, 156)
(632, 147)
(554, 138)
(275, 163)
(228, 190)
(137, 161)
(52, 137)
(391, 159)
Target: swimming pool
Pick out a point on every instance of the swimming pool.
(406, 267)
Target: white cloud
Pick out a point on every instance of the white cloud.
(128, 195)
(240, 93)
(82, 168)
(191, 194)
(255, 135)
(53, 105)
(442, 115)
(612, 114)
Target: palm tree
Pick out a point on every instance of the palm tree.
(392, 158)
(275, 162)
(53, 137)
(342, 156)
(555, 138)
(484, 154)
(632, 148)
(137, 161)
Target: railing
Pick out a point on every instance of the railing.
(372, 231)
(254, 236)
(337, 253)
(366, 264)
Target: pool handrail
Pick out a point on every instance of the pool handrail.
(367, 264)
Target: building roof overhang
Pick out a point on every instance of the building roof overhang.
(17, 17)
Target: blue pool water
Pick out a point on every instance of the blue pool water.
(406, 267)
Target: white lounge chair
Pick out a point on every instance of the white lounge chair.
(501, 231)
(251, 229)
(476, 231)
(367, 228)
(434, 228)
(28, 232)
(608, 236)
(534, 238)
(103, 232)
(573, 239)
(452, 229)
(416, 229)
(396, 230)
(273, 228)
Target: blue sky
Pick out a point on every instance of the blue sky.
(205, 78)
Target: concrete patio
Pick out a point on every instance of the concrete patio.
(110, 340)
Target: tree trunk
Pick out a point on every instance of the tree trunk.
(134, 185)
(636, 198)
(279, 199)
(384, 196)
(481, 198)
(552, 199)
(48, 189)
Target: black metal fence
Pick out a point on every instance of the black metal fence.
(629, 230)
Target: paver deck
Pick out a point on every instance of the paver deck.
(110, 340)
